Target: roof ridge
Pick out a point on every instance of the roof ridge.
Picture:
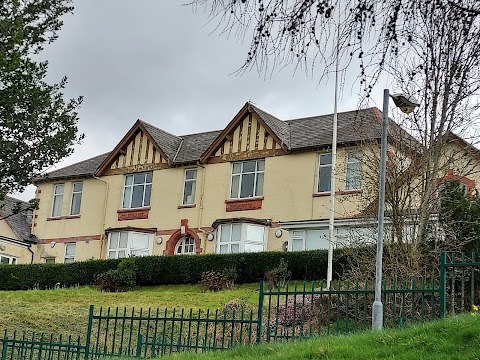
(329, 114)
(156, 127)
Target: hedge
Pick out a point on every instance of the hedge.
(169, 270)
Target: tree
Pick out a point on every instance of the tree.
(429, 48)
(38, 127)
(460, 216)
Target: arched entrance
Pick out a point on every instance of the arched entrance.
(189, 243)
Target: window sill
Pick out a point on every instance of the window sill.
(339, 192)
(349, 192)
(243, 199)
(189, 206)
(253, 203)
(53, 218)
(133, 209)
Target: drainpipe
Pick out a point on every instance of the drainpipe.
(29, 248)
(102, 230)
(200, 210)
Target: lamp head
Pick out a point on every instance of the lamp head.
(406, 103)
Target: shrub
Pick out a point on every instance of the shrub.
(124, 277)
(104, 282)
(213, 281)
(231, 276)
(171, 270)
(279, 275)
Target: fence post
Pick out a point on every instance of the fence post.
(89, 332)
(443, 284)
(260, 312)
(4, 347)
(138, 352)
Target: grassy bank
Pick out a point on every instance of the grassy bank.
(65, 311)
(452, 339)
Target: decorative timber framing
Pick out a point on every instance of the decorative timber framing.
(147, 144)
(227, 136)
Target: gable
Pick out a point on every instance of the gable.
(136, 152)
(246, 137)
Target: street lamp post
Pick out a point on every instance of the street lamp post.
(406, 104)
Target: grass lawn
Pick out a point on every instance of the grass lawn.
(451, 339)
(65, 311)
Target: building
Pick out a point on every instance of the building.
(260, 184)
(16, 240)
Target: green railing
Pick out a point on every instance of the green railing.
(307, 309)
(150, 333)
(298, 309)
(460, 282)
(20, 346)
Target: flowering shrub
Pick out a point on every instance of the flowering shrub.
(295, 311)
(475, 310)
(213, 281)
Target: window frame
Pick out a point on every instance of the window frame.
(181, 243)
(129, 247)
(55, 196)
(243, 237)
(320, 166)
(49, 260)
(73, 197)
(194, 186)
(69, 257)
(241, 174)
(12, 260)
(349, 162)
(131, 186)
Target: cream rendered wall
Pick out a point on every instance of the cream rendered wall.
(11, 249)
(20, 252)
(289, 184)
(91, 212)
(84, 251)
(6, 230)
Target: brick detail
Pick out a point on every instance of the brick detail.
(132, 214)
(243, 204)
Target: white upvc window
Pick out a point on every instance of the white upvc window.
(137, 190)
(69, 253)
(247, 179)
(310, 239)
(58, 190)
(185, 246)
(189, 186)
(241, 237)
(353, 176)
(123, 244)
(324, 173)
(77, 189)
(7, 260)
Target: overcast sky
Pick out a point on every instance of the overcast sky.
(158, 61)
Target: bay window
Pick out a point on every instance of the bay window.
(241, 237)
(123, 244)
